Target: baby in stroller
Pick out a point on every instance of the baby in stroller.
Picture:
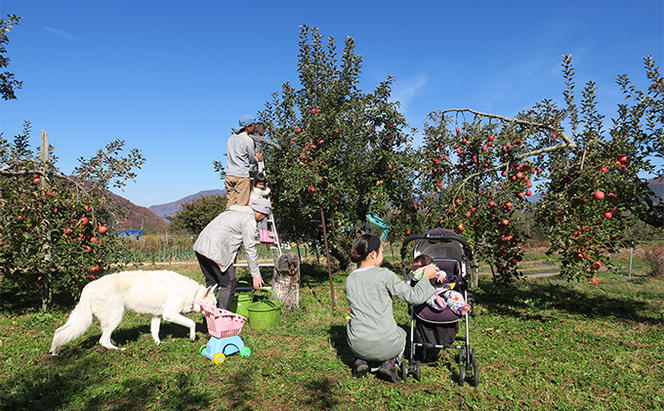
(445, 296)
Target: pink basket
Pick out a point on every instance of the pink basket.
(222, 323)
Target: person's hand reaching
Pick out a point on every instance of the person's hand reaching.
(258, 282)
(430, 271)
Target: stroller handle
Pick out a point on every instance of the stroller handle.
(442, 237)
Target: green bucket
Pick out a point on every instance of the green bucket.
(241, 301)
(264, 313)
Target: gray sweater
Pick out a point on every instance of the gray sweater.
(373, 334)
(222, 237)
(241, 154)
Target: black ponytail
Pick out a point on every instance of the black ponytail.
(363, 246)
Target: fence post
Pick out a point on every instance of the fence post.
(629, 273)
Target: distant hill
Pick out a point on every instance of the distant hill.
(169, 209)
(137, 217)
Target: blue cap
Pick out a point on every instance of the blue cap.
(246, 120)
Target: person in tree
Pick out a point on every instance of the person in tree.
(260, 190)
(218, 244)
(372, 333)
(240, 154)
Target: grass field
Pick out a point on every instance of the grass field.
(541, 344)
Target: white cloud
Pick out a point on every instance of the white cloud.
(405, 91)
(60, 33)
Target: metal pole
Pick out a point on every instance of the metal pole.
(629, 273)
(327, 252)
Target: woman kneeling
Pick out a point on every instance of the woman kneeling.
(373, 334)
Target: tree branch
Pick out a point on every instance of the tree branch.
(562, 134)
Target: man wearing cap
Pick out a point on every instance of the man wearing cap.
(241, 154)
(218, 244)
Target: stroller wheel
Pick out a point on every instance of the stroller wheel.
(476, 373)
(462, 373)
(461, 355)
(418, 373)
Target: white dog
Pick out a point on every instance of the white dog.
(161, 294)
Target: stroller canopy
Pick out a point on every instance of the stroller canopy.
(433, 239)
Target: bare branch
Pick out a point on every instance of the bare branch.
(570, 143)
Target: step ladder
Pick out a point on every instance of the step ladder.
(272, 227)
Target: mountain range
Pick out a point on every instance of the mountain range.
(169, 209)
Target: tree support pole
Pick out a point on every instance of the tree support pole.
(327, 252)
(47, 241)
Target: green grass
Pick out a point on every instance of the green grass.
(541, 344)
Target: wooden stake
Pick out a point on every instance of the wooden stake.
(327, 252)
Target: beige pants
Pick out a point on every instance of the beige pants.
(237, 190)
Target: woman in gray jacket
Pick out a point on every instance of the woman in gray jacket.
(373, 334)
(218, 244)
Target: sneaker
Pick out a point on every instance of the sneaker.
(388, 371)
(360, 368)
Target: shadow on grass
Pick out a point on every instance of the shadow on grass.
(240, 392)
(339, 343)
(47, 386)
(320, 395)
(63, 382)
(514, 300)
(123, 336)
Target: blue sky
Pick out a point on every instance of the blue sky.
(172, 77)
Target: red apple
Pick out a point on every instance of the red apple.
(36, 180)
(608, 214)
(491, 138)
(599, 194)
(87, 249)
(529, 193)
(505, 221)
(597, 265)
(102, 229)
(88, 208)
(492, 203)
(298, 130)
(622, 159)
(83, 221)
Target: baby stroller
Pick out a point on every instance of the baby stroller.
(434, 330)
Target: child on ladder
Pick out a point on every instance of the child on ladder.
(259, 190)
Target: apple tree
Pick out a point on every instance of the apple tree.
(55, 230)
(595, 192)
(479, 173)
(344, 151)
